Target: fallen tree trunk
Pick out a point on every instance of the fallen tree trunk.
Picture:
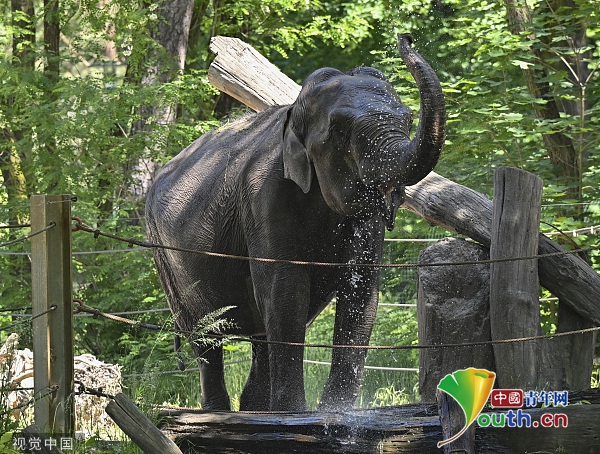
(406, 429)
(440, 201)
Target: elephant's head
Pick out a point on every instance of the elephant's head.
(352, 131)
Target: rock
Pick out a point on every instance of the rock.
(16, 371)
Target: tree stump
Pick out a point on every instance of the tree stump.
(570, 359)
(453, 308)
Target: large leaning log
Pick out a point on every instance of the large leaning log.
(240, 71)
(439, 200)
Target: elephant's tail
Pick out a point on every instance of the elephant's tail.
(169, 285)
(177, 342)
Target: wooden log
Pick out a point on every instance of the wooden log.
(580, 436)
(460, 209)
(452, 308)
(405, 429)
(438, 200)
(514, 285)
(138, 427)
(356, 431)
(242, 72)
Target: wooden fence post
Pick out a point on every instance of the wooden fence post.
(514, 285)
(52, 331)
(571, 361)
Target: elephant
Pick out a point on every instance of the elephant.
(316, 181)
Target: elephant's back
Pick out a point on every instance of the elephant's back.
(196, 188)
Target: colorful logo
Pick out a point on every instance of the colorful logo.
(470, 388)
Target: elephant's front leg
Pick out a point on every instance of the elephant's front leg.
(356, 308)
(283, 293)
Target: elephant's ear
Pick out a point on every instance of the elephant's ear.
(296, 163)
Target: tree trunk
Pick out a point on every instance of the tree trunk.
(560, 147)
(577, 70)
(52, 66)
(574, 64)
(15, 182)
(22, 19)
(52, 39)
(171, 33)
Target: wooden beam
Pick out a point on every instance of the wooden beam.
(51, 282)
(404, 429)
(242, 72)
(138, 427)
(447, 204)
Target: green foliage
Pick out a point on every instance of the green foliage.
(6, 443)
(494, 118)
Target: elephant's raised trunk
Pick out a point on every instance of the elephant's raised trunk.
(419, 156)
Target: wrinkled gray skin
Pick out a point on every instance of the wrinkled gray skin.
(315, 181)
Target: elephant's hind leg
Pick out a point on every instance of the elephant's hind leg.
(212, 378)
(257, 392)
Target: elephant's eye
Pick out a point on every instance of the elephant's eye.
(340, 127)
